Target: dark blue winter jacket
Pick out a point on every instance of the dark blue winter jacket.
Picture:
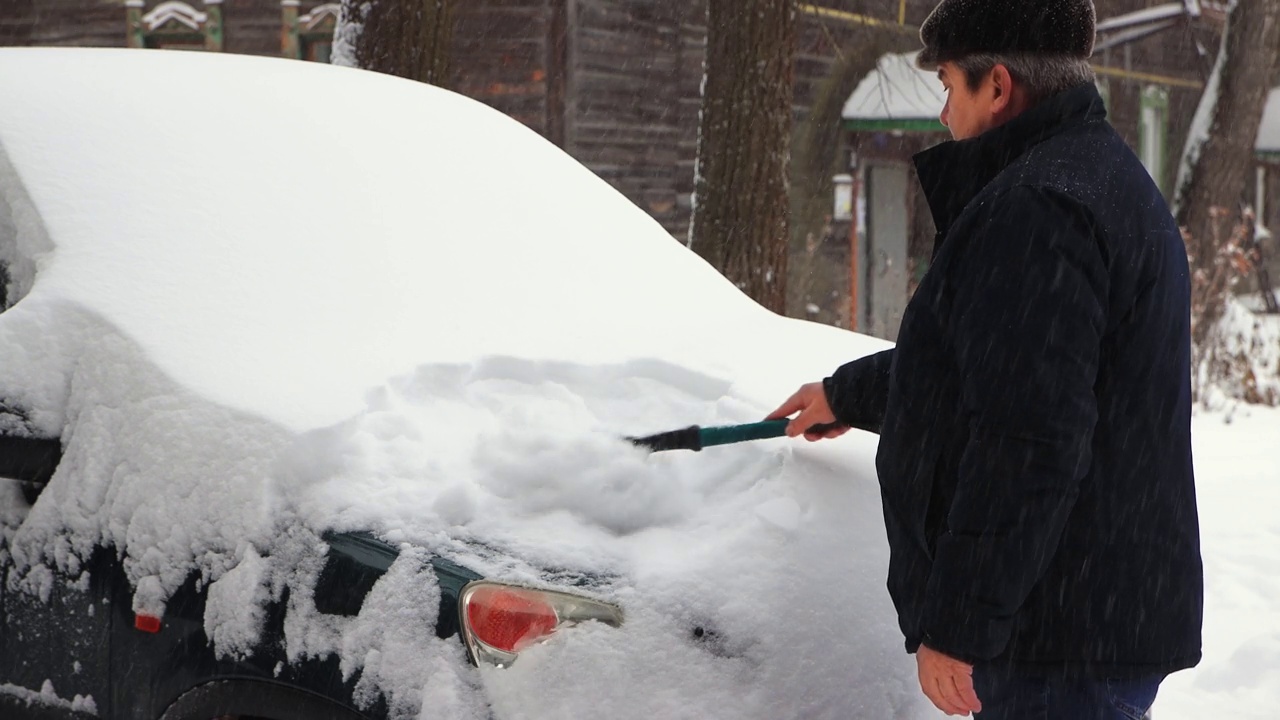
(1034, 416)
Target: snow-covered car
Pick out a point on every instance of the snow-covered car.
(341, 367)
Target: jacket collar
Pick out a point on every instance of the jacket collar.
(953, 173)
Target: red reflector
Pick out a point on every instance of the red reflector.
(509, 619)
(147, 623)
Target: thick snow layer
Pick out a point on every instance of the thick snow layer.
(896, 90)
(1238, 485)
(370, 239)
(281, 298)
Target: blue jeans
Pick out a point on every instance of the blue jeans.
(1029, 694)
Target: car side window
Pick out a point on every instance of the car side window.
(24, 456)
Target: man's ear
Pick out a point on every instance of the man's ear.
(1002, 89)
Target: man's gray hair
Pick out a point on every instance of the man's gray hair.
(1042, 76)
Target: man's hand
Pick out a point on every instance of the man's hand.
(811, 402)
(947, 682)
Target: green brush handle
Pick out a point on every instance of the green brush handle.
(728, 434)
(695, 438)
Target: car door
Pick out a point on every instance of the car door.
(54, 633)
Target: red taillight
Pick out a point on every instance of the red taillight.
(509, 619)
(147, 623)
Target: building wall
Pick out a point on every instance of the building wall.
(94, 23)
(627, 108)
(635, 74)
(17, 20)
(252, 27)
(503, 55)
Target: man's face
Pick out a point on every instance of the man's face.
(968, 113)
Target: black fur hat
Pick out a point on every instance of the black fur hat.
(958, 28)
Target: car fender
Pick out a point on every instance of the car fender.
(257, 698)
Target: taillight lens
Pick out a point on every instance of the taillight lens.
(498, 621)
(509, 619)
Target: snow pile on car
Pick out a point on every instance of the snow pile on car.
(262, 299)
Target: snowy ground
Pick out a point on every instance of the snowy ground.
(1238, 479)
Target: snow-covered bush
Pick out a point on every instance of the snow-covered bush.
(1235, 346)
(1241, 357)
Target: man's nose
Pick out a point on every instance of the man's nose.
(946, 115)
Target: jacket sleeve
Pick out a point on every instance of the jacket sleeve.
(859, 391)
(1028, 318)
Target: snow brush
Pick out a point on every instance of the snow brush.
(695, 437)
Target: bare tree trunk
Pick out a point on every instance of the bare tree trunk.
(740, 215)
(1217, 163)
(406, 38)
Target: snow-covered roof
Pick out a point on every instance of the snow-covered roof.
(1269, 130)
(175, 11)
(1131, 27)
(1147, 16)
(318, 15)
(897, 90)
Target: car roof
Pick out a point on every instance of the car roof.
(280, 236)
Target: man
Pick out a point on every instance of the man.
(1034, 417)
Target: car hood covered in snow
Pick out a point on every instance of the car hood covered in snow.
(259, 299)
